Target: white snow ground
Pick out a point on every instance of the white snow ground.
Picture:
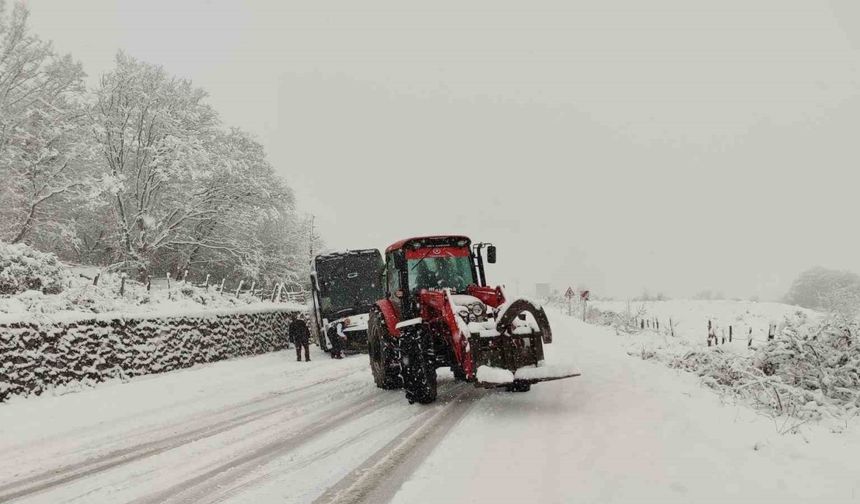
(690, 317)
(269, 429)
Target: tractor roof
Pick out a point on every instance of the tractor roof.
(431, 241)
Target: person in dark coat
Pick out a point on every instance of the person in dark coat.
(336, 343)
(301, 336)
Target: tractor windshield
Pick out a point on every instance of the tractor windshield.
(434, 272)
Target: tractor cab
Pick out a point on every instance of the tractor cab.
(434, 263)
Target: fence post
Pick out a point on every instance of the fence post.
(253, 284)
(185, 277)
(730, 334)
(96, 279)
(239, 288)
(122, 285)
(148, 283)
(207, 282)
(671, 327)
(709, 332)
(168, 280)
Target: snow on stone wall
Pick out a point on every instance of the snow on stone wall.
(36, 356)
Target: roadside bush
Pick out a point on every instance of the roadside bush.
(23, 268)
(811, 370)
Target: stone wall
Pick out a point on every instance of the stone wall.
(35, 356)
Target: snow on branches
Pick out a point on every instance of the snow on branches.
(45, 148)
(138, 173)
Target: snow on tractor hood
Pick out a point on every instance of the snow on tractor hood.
(464, 300)
(351, 323)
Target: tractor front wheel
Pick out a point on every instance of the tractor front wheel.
(418, 363)
(383, 353)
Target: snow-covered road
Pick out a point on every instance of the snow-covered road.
(269, 429)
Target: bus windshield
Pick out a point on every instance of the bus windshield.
(349, 285)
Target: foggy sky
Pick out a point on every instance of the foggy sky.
(619, 145)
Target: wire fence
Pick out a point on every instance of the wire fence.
(286, 291)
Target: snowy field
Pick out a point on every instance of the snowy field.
(269, 429)
(689, 318)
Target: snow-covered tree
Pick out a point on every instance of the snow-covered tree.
(154, 133)
(139, 173)
(46, 151)
(188, 194)
(242, 194)
(822, 288)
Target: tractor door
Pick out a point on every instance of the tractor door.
(392, 283)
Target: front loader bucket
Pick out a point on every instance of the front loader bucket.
(509, 351)
(505, 359)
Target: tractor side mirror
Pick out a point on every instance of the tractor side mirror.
(491, 254)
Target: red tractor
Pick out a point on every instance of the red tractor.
(439, 312)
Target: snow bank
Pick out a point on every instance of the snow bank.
(37, 288)
(810, 370)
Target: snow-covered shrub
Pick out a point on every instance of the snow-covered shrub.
(821, 357)
(810, 370)
(23, 268)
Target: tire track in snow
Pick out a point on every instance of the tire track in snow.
(205, 484)
(380, 476)
(448, 393)
(65, 474)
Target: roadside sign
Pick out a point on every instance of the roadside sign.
(569, 294)
(584, 295)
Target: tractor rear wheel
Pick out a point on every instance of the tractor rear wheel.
(384, 361)
(418, 362)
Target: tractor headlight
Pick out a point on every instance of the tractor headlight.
(464, 314)
(477, 309)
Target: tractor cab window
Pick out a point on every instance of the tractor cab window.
(453, 273)
(391, 276)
